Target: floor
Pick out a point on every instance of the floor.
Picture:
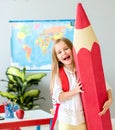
(46, 127)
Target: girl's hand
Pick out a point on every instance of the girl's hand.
(67, 95)
(52, 111)
(106, 106)
(78, 87)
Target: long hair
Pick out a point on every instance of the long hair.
(55, 63)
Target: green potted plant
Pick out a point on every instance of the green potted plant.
(19, 87)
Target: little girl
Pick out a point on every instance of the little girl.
(70, 113)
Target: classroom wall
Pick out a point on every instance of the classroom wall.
(100, 14)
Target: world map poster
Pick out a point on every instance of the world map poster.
(32, 40)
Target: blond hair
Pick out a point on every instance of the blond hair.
(55, 63)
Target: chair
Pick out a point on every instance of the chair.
(1, 108)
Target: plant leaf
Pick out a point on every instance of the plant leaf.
(13, 71)
(31, 93)
(33, 77)
(8, 95)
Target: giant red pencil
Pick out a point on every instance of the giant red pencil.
(89, 67)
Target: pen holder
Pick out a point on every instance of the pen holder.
(9, 111)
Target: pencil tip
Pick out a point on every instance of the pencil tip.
(81, 17)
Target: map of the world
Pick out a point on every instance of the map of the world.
(31, 41)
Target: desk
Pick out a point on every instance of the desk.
(31, 118)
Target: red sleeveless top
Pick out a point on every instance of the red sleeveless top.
(65, 88)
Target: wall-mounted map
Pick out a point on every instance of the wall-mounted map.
(32, 40)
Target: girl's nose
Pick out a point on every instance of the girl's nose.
(63, 52)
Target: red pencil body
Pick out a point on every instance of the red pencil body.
(89, 67)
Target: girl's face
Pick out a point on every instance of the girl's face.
(64, 53)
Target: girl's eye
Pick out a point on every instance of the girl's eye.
(59, 52)
(66, 48)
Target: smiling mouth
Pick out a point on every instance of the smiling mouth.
(67, 58)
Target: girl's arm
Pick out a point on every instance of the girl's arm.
(67, 95)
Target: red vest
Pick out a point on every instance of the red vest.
(65, 88)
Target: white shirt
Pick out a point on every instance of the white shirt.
(70, 111)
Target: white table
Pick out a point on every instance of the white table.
(31, 118)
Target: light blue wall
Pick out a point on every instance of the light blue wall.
(100, 14)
